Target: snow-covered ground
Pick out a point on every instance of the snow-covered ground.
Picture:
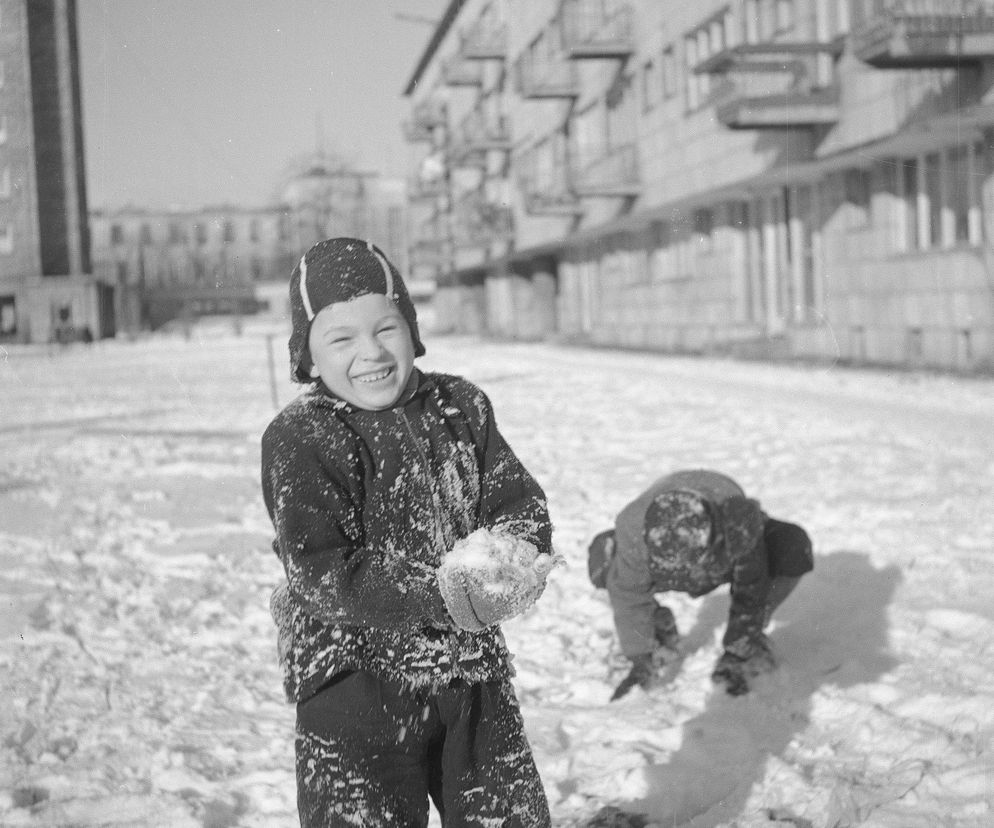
(137, 667)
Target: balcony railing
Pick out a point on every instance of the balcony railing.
(550, 202)
(748, 102)
(909, 34)
(459, 72)
(771, 55)
(485, 40)
(425, 189)
(425, 118)
(480, 223)
(546, 78)
(480, 131)
(592, 32)
(611, 172)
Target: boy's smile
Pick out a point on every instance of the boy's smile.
(363, 351)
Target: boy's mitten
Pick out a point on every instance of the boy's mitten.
(488, 577)
(735, 671)
(640, 675)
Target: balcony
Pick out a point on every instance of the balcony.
(921, 34)
(545, 78)
(772, 55)
(459, 72)
(425, 117)
(552, 203)
(480, 131)
(594, 30)
(615, 172)
(748, 105)
(481, 223)
(426, 189)
(484, 41)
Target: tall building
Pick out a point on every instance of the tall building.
(803, 178)
(47, 290)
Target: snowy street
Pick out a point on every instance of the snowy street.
(138, 667)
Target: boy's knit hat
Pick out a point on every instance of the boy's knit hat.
(338, 270)
(678, 526)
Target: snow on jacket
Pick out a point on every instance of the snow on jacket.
(735, 555)
(364, 505)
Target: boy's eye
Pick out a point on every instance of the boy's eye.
(390, 327)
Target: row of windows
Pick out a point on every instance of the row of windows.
(179, 233)
(932, 201)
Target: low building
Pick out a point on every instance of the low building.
(770, 178)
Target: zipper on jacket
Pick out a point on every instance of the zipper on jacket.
(439, 535)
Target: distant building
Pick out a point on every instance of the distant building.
(182, 263)
(47, 290)
(796, 178)
(177, 263)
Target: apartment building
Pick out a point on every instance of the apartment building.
(186, 262)
(181, 263)
(798, 178)
(47, 290)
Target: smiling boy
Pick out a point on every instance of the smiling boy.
(371, 477)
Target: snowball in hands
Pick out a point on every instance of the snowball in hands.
(488, 577)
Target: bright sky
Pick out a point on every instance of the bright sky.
(191, 102)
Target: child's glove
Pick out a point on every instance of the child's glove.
(735, 672)
(488, 577)
(640, 675)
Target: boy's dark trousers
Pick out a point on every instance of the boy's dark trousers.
(370, 753)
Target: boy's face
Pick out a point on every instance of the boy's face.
(363, 351)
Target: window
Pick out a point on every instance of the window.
(8, 315)
(668, 68)
(254, 230)
(939, 197)
(176, 233)
(933, 194)
(6, 238)
(145, 234)
(857, 191)
(200, 233)
(229, 231)
(704, 228)
(959, 193)
(116, 234)
(784, 15)
(5, 186)
(712, 37)
(650, 85)
(908, 181)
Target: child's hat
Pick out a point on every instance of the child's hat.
(678, 523)
(338, 270)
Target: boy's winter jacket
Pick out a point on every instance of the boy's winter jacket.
(364, 504)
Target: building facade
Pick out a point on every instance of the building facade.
(183, 263)
(796, 178)
(47, 289)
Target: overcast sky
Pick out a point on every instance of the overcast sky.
(190, 102)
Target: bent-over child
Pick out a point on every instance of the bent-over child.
(690, 532)
(408, 530)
